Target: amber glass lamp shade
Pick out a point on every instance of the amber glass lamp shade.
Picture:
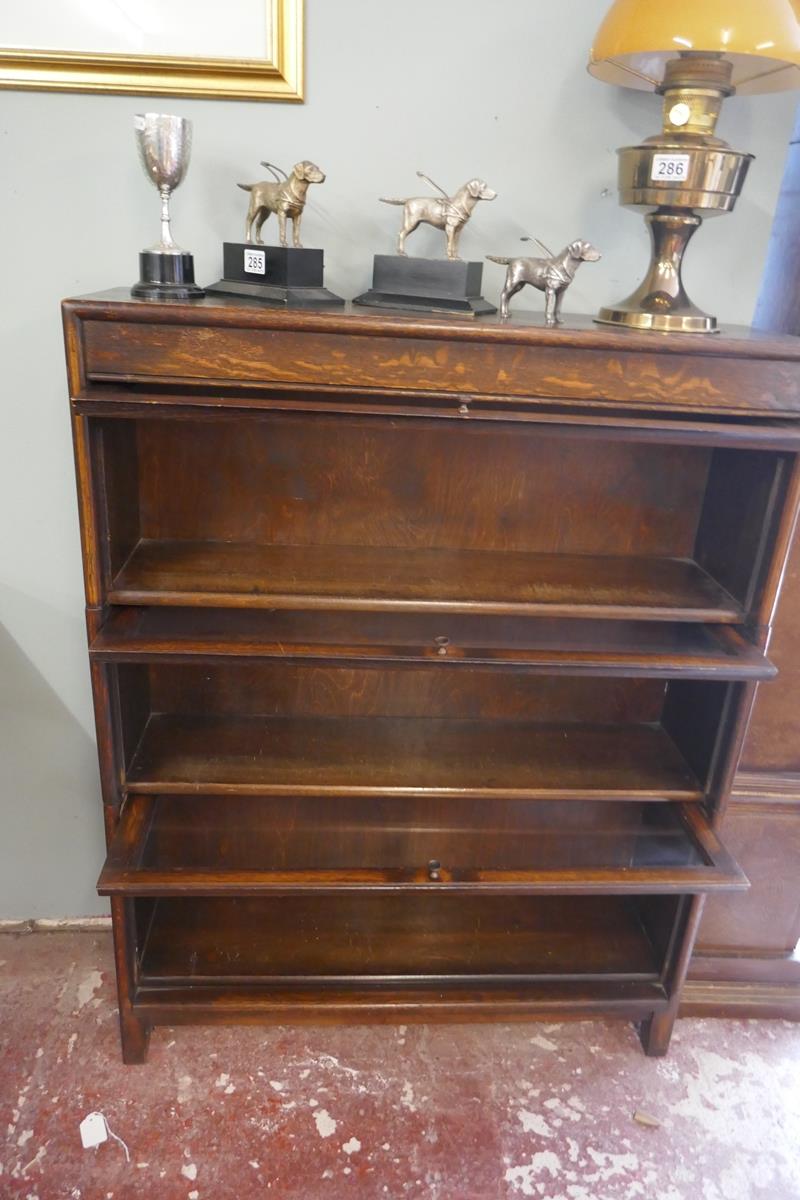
(760, 38)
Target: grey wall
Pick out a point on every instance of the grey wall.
(455, 88)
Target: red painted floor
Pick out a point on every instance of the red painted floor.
(434, 1112)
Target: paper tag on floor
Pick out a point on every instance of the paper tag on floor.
(93, 1130)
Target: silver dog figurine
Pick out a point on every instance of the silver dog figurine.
(285, 197)
(551, 275)
(449, 213)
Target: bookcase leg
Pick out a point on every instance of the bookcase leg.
(655, 1033)
(135, 1036)
(134, 1032)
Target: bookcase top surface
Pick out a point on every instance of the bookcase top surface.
(524, 328)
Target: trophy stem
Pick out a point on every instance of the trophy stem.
(166, 271)
(167, 240)
(661, 301)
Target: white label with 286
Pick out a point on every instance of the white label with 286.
(670, 168)
(255, 262)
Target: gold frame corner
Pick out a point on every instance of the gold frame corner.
(282, 79)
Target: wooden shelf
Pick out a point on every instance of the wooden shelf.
(364, 578)
(406, 756)
(257, 845)
(319, 1001)
(670, 649)
(380, 937)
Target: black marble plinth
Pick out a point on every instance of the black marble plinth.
(166, 277)
(426, 285)
(274, 275)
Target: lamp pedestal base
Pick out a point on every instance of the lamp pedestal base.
(661, 302)
(687, 320)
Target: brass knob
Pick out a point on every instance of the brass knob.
(434, 867)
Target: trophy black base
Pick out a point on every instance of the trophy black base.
(166, 277)
(279, 275)
(429, 285)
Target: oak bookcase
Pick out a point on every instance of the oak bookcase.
(423, 652)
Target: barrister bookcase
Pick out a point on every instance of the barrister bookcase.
(423, 653)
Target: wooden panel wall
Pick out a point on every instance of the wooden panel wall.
(744, 960)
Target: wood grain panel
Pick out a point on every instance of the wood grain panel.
(420, 485)
(773, 741)
(765, 838)
(327, 690)
(162, 352)
(397, 936)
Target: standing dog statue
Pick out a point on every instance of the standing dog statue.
(285, 197)
(551, 275)
(449, 213)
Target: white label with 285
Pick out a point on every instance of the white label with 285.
(255, 262)
(670, 168)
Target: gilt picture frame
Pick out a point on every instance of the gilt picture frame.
(274, 70)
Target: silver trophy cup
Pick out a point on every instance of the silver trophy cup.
(165, 143)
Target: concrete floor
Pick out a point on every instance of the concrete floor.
(435, 1112)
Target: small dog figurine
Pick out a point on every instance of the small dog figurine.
(285, 197)
(551, 275)
(449, 213)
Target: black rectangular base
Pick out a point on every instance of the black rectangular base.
(290, 297)
(277, 266)
(469, 307)
(275, 275)
(426, 285)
